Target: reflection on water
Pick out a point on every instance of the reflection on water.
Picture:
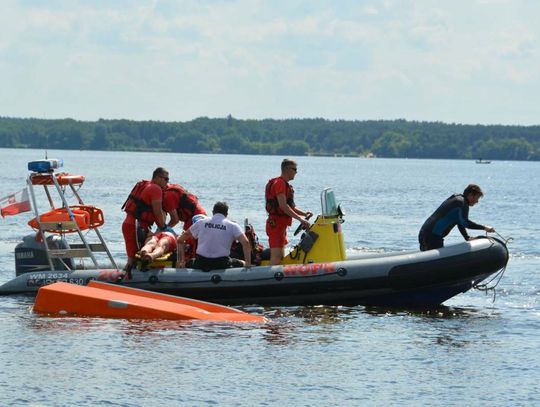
(289, 325)
(440, 311)
(316, 315)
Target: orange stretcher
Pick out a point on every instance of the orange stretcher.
(99, 299)
(59, 220)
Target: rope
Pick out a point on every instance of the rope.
(489, 285)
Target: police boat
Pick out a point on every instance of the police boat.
(315, 272)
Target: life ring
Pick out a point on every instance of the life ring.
(63, 178)
(96, 215)
(58, 216)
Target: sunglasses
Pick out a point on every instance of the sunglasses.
(294, 169)
(165, 178)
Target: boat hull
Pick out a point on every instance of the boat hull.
(99, 299)
(395, 279)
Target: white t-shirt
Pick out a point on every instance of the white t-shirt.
(215, 235)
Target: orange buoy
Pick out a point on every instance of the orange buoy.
(63, 178)
(60, 217)
(112, 301)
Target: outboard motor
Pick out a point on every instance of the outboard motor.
(30, 254)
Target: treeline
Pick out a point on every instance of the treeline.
(382, 138)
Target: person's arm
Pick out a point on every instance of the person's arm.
(158, 213)
(180, 246)
(306, 214)
(465, 222)
(282, 202)
(246, 247)
(463, 232)
(174, 218)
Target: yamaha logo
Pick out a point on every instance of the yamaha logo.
(24, 255)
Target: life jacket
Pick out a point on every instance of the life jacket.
(188, 203)
(272, 204)
(135, 206)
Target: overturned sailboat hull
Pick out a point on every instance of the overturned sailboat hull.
(99, 299)
(395, 279)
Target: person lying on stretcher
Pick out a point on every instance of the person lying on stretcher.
(157, 245)
(163, 242)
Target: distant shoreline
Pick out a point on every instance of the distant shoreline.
(290, 137)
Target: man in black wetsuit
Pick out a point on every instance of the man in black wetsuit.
(454, 211)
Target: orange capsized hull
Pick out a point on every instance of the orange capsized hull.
(99, 299)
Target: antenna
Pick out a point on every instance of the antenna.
(46, 144)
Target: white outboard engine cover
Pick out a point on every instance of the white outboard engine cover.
(30, 254)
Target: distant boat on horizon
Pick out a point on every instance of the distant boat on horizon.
(480, 161)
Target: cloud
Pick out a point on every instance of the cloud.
(180, 60)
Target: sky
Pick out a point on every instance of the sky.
(455, 61)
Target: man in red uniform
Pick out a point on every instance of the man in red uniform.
(143, 205)
(281, 209)
(182, 205)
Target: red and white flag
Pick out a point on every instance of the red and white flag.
(15, 203)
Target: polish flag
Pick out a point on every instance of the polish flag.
(15, 203)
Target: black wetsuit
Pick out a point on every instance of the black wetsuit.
(453, 211)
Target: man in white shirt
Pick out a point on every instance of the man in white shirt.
(215, 236)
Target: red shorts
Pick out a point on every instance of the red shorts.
(277, 234)
(170, 238)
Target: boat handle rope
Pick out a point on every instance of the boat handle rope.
(278, 275)
(497, 277)
(505, 240)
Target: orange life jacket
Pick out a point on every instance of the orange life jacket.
(135, 206)
(272, 204)
(188, 203)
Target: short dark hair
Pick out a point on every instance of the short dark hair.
(473, 189)
(159, 171)
(221, 207)
(287, 162)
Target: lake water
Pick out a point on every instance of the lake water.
(471, 352)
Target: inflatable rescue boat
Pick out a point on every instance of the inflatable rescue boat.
(315, 272)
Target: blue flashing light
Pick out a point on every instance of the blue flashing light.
(45, 165)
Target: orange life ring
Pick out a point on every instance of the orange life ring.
(81, 217)
(96, 215)
(63, 178)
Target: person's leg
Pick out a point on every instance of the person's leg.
(130, 240)
(421, 241)
(149, 247)
(429, 241)
(276, 255)
(161, 248)
(277, 239)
